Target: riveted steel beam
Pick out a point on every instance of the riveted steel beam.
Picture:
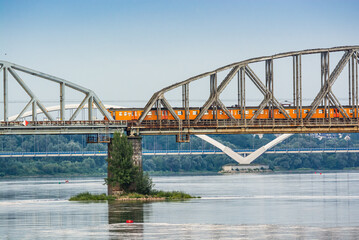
(6, 105)
(185, 100)
(62, 101)
(82, 104)
(35, 102)
(169, 108)
(32, 96)
(297, 79)
(328, 84)
(265, 91)
(215, 92)
(24, 109)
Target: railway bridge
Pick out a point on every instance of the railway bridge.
(326, 113)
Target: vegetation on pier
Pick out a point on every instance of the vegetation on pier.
(124, 174)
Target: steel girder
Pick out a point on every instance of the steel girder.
(242, 68)
(90, 97)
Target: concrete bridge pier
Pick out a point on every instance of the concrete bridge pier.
(136, 142)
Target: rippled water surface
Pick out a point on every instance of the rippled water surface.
(273, 206)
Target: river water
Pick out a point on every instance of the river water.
(263, 206)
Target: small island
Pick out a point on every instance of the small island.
(155, 195)
(131, 182)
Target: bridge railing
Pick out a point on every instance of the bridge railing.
(64, 123)
(256, 126)
(62, 127)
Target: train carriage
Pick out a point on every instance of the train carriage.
(129, 114)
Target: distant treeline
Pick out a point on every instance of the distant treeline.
(213, 163)
(51, 165)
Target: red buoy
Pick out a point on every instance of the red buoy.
(129, 221)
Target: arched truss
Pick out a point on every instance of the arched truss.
(90, 97)
(325, 95)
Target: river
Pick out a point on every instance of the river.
(245, 206)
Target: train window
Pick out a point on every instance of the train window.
(320, 111)
(149, 113)
(125, 113)
(246, 112)
(220, 112)
(194, 112)
(119, 113)
(135, 113)
(239, 112)
(179, 112)
(287, 111)
(350, 110)
(206, 113)
(305, 111)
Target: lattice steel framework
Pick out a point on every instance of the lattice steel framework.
(90, 98)
(325, 97)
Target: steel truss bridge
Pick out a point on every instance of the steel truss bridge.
(325, 98)
(51, 125)
(183, 128)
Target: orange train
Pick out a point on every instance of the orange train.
(134, 113)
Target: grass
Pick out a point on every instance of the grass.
(86, 196)
(174, 195)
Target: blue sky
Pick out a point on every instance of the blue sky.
(127, 50)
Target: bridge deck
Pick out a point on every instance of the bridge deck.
(176, 152)
(259, 126)
(62, 127)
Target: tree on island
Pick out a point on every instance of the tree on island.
(132, 182)
(124, 174)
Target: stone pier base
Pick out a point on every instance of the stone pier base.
(136, 142)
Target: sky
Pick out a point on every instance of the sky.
(127, 50)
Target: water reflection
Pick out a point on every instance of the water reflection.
(120, 212)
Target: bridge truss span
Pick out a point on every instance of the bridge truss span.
(10, 69)
(325, 113)
(43, 119)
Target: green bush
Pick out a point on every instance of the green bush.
(143, 183)
(86, 196)
(170, 195)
